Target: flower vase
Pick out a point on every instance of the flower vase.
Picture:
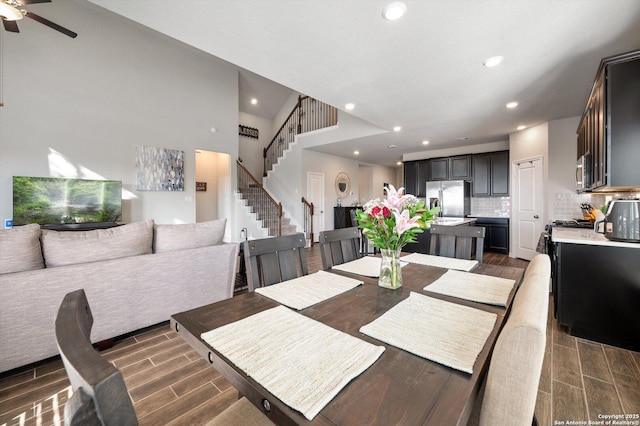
(390, 270)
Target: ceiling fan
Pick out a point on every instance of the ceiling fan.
(12, 11)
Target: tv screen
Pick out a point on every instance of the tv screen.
(65, 201)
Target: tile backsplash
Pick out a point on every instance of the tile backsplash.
(491, 205)
(566, 206)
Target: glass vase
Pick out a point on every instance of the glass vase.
(390, 270)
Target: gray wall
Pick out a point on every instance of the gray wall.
(78, 107)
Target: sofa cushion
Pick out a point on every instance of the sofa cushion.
(71, 247)
(20, 249)
(188, 235)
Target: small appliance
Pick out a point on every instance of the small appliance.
(583, 172)
(622, 220)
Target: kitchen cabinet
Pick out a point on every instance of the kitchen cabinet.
(460, 167)
(416, 174)
(609, 129)
(597, 292)
(496, 238)
(490, 174)
(450, 168)
(439, 169)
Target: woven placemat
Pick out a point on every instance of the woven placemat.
(444, 332)
(307, 290)
(474, 287)
(302, 362)
(441, 261)
(368, 266)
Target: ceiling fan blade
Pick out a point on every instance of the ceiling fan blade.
(33, 1)
(50, 24)
(10, 26)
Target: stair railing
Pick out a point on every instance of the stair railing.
(308, 219)
(308, 114)
(272, 211)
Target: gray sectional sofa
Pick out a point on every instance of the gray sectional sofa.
(134, 275)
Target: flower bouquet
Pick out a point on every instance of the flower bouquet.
(389, 225)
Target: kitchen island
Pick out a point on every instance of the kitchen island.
(596, 287)
(423, 240)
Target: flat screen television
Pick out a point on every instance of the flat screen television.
(45, 200)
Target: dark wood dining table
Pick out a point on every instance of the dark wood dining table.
(399, 388)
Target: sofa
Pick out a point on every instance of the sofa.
(135, 275)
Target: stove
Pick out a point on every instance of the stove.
(575, 223)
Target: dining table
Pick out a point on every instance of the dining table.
(398, 387)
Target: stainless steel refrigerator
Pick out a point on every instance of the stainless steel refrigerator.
(453, 197)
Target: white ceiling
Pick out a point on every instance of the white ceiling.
(423, 72)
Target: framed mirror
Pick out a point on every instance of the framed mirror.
(343, 184)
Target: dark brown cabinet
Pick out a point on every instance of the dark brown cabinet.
(490, 174)
(416, 174)
(460, 167)
(496, 238)
(609, 130)
(438, 169)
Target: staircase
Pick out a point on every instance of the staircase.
(261, 207)
(309, 114)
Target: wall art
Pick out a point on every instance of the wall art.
(159, 169)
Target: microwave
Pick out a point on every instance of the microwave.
(583, 172)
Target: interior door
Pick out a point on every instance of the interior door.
(315, 195)
(527, 208)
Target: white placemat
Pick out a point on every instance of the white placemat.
(302, 362)
(369, 266)
(444, 332)
(474, 287)
(307, 290)
(440, 261)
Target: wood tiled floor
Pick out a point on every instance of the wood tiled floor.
(170, 383)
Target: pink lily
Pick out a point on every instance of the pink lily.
(395, 199)
(403, 223)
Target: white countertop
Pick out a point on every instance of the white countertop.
(496, 215)
(453, 221)
(586, 236)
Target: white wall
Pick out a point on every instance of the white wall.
(250, 149)
(78, 107)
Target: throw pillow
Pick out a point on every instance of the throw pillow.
(20, 249)
(188, 235)
(71, 247)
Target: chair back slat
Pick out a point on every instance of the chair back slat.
(339, 246)
(100, 394)
(461, 242)
(273, 260)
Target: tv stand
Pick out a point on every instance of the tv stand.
(89, 226)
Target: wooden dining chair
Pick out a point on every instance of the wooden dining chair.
(511, 388)
(339, 246)
(461, 242)
(100, 396)
(364, 242)
(273, 260)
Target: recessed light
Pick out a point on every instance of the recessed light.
(493, 61)
(392, 146)
(349, 106)
(462, 138)
(254, 101)
(399, 163)
(394, 11)
(397, 128)
(512, 105)
(356, 152)
(425, 142)
(521, 127)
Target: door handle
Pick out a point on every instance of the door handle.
(536, 216)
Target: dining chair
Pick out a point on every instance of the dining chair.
(100, 396)
(339, 246)
(273, 260)
(364, 241)
(511, 387)
(461, 241)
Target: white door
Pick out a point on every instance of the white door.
(315, 195)
(527, 208)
